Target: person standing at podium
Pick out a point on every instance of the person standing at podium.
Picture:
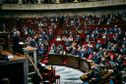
(16, 45)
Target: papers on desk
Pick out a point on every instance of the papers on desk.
(10, 56)
(6, 57)
(21, 43)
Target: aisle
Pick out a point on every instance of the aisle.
(68, 75)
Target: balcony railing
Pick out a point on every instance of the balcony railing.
(58, 5)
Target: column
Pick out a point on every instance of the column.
(75, 1)
(39, 1)
(26, 69)
(57, 1)
(20, 1)
(35, 57)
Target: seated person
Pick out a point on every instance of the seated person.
(58, 38)
(60, 49)
(42, 49)
(53, 48)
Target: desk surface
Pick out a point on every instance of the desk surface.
(29, 48)
(15, 57)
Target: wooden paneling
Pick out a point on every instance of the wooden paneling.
(55, 59)
(72, 61)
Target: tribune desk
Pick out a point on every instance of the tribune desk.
(15, 69)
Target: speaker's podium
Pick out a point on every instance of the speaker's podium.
(14, 70)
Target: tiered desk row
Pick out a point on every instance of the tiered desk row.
(70, 61)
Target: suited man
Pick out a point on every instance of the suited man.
(16, 46)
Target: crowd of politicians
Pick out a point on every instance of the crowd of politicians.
(105, 41)
(94, 37)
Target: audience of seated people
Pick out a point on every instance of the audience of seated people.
(99, 42)
(91, 37)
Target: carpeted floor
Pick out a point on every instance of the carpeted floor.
(68, 75)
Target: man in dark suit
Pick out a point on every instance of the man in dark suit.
(16, 46)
